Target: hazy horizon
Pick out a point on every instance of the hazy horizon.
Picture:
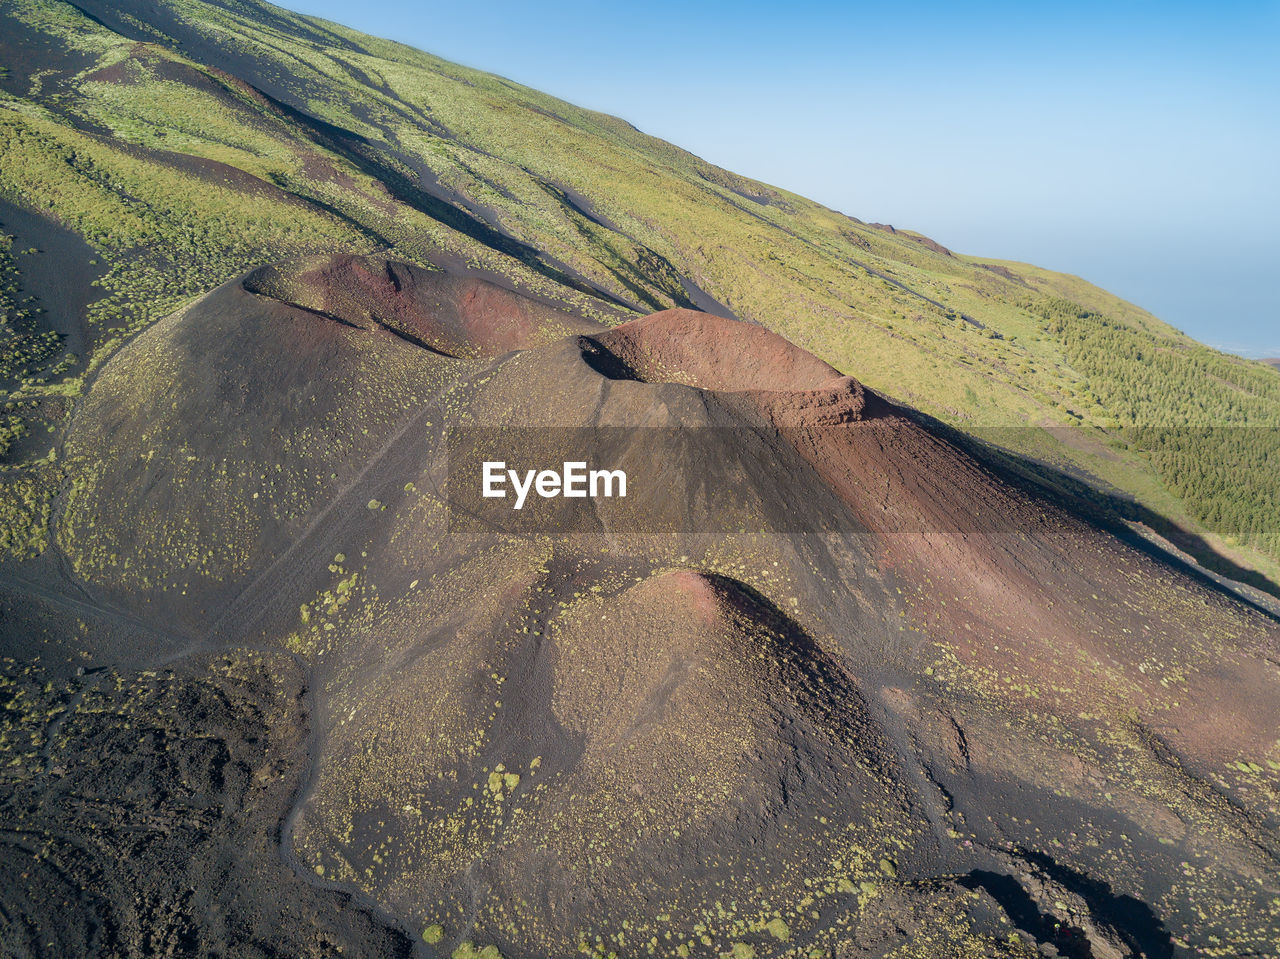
(1132, 146)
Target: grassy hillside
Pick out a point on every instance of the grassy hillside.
(154, 151)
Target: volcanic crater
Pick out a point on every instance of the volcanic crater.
(948, 715)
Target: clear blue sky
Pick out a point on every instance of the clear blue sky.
(1137, 145)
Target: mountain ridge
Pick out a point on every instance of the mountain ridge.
(880, 655)
(376, 146)
(579, 735)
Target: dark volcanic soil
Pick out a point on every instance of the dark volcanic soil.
(59, 275)
(822, 684)
(141, 811)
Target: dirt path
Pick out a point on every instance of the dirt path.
(335, 524)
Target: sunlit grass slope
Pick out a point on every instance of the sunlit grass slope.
(185, 142)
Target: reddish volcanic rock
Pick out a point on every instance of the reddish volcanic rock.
(710, 352)
(453, 314)
(792, 386)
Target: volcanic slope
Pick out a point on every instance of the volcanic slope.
(822, 684)
(156, 150)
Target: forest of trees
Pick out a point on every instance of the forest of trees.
(1208, 423)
